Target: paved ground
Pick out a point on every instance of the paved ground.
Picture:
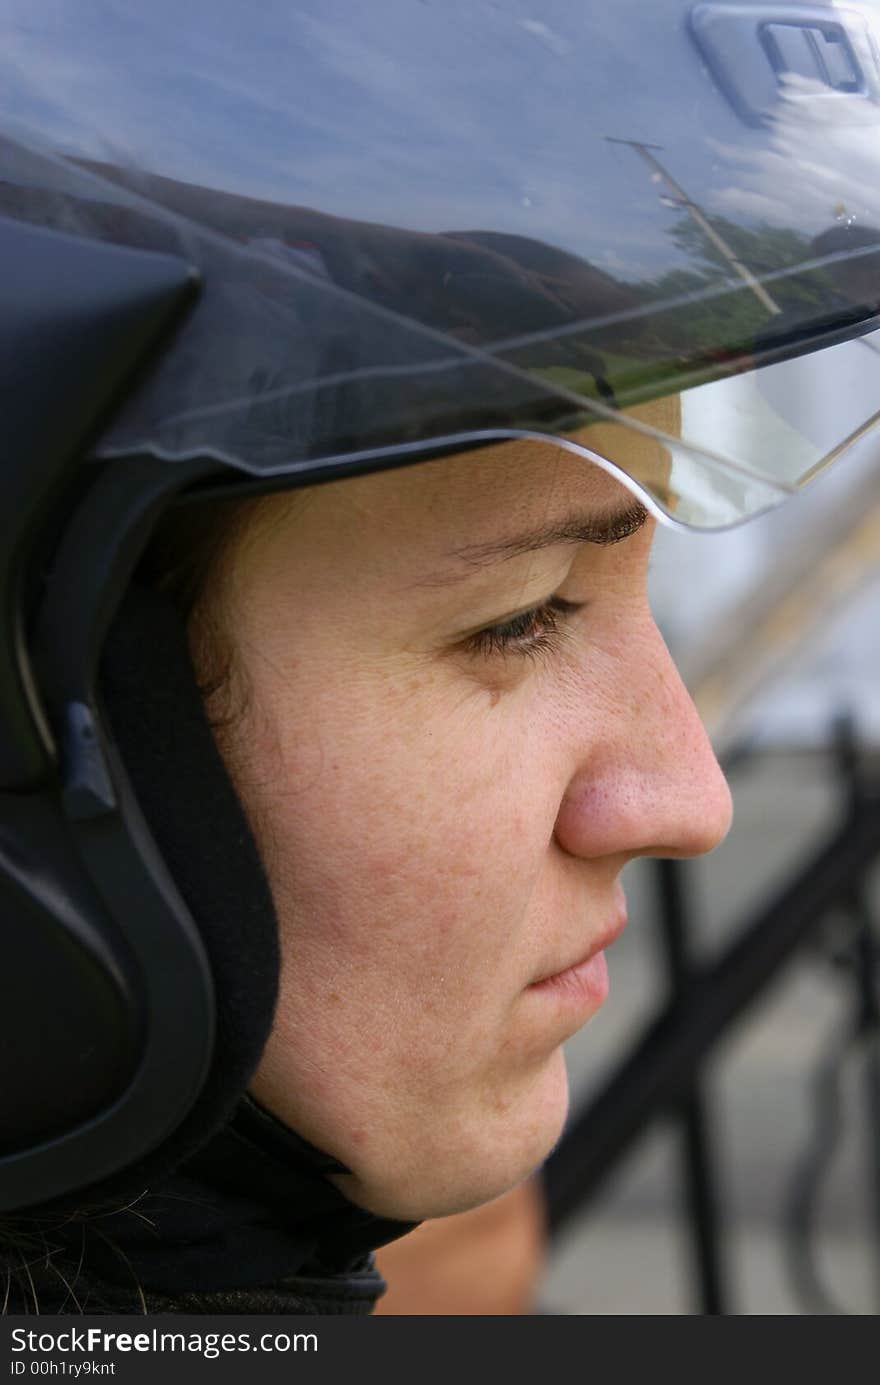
(627, 1253)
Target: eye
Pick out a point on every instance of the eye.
(536, 631)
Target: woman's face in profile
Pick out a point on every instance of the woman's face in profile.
(460, 724)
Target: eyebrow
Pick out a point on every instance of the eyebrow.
(586, 527)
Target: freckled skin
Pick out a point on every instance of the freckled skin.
(442, 829)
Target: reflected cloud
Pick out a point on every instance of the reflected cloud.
(821, 160)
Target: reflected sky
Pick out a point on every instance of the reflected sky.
(436, 116)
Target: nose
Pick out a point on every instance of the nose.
(650, 785)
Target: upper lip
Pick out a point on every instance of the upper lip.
(607, 935)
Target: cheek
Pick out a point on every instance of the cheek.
(405, 862)
(409, 842)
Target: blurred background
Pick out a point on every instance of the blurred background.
(751, 1183)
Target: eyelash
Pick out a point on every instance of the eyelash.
(538, 631)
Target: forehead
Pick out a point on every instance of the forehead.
(426, 522)
(467, 498)
(521, 482)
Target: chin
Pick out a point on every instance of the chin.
(491, 1157)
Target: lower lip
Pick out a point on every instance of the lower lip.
(584, 986)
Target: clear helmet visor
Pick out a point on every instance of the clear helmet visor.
(417, 234)
(719, 453)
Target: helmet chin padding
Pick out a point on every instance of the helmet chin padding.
(158, 723)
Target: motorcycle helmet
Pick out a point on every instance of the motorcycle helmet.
(248, 249)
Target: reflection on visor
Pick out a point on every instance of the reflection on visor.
(281, 373)
(708, 457)
(322, 346)
(389, 270)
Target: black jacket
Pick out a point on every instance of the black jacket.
(251, 1224)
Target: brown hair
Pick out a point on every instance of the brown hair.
(189, 558)
(184, 559)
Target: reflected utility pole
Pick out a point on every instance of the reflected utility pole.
(679, 198)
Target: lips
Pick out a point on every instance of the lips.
(609, 934)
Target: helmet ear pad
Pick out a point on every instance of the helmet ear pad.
(157, 721)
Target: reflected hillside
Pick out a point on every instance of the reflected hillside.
(326, 335)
